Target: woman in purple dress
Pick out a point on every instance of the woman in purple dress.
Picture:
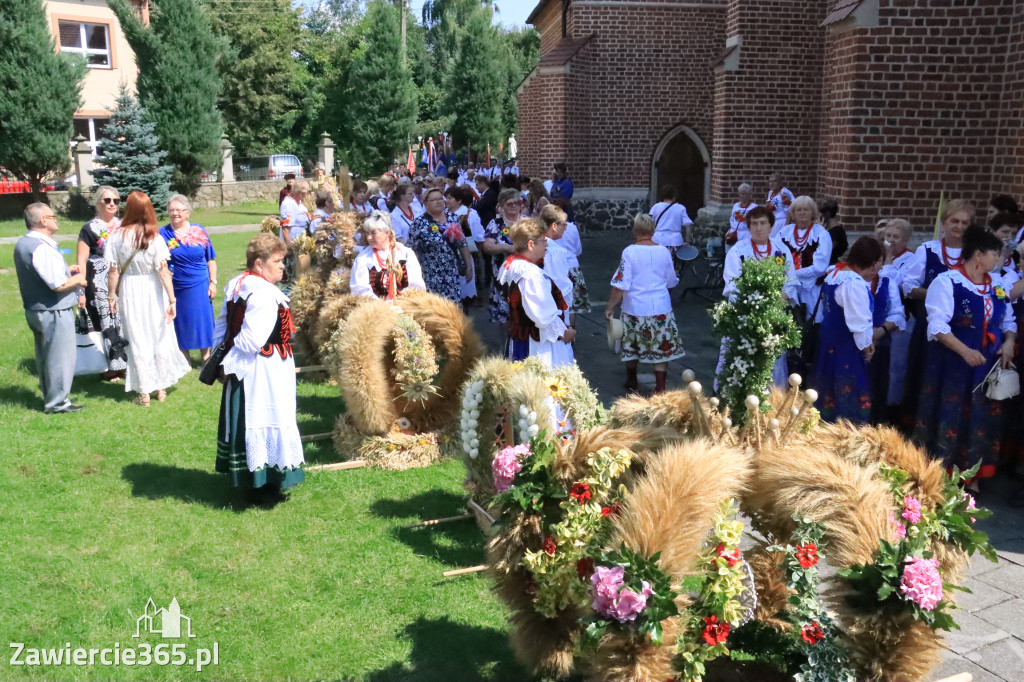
(970, 328)
(194, 275)
(848, 335)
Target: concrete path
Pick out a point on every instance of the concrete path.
(69, 233)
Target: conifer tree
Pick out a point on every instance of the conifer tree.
(40, 91)
(131, 151)
(178, 83)
(378, 97)
(475, 83)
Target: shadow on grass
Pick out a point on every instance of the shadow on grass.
(444, 650)
(320, 411)
(156, 481)
(457, 543)
(96, 387)
(19, 395)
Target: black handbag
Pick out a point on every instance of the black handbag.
(211, 370)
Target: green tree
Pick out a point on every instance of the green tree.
(40, 91)
(523, 48)
(474, 87)
(263, 85)
(376, 98)
(178, 82)
(130, 150)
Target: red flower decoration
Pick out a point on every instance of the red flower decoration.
(549, 545)
(585, 567)
(610, 511)
(807, 555)
(580, 492)
(812, 633)
(714, 632)
(732, 556)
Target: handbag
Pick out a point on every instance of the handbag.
(1001, 384)
(211, 368)
(89, 355)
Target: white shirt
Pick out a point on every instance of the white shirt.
(645, 274)
(780, 203)
(294, 218)
(808, 276)
(738, 220)
(417, 206)
(47, 261)
(364, 207)
(897, 269)
(359, 280)
(914, 271)
(539, 305)
(556, 266)
(939, 303)
(853, 294)
(670, 220)
(744, 250)
(572, 243)
(401, 223)
(547, 185)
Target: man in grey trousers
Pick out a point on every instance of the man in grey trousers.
(49, 293)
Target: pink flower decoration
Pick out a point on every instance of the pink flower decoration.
(970, 504)
(897, 530)
(507, 463)
(630, 604)
(912, 509)
(612, 599)
(921, 582)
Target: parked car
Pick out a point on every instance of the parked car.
(272, 167)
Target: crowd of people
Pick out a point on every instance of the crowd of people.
(890, 335)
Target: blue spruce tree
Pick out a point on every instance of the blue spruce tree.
(130, 150)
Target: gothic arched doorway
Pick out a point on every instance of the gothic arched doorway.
(682, 160)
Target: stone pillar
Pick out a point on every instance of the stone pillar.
(227, 164)
(81, 155)
(325, 152)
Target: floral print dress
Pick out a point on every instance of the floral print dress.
(438, 255)
(497, 310)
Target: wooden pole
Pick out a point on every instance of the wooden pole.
(477, 569)
(435, 522)
(473, 505)
(338, 466)
(312, 438)
(311, 368)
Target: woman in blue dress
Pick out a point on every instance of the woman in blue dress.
(890, 316)
(929, 261)
(437, 240)
(848, 335)
(970, 327)
(194, 275)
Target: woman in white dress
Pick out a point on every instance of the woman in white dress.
(642, 283)
(384, 268)
(141, 294)
(403, 215)
(672, 224)
(258, 441)
(537, 310)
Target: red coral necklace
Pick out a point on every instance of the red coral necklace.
(950, 261)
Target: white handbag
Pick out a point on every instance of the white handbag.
(1001, 384)
(90, 357)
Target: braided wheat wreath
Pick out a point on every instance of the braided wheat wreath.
(381, 426)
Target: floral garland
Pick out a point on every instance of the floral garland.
(717, 609)
(471, 400)
(415, 360)
(904, 574)
(759, 328)
(630, 594)
(826, 661)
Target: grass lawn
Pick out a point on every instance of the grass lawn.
(107, 508)
(242, 214)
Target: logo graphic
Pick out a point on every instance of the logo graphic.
(164, 622)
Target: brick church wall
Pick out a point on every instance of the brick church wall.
(917, 106)
(767, 113)
(1009, 170)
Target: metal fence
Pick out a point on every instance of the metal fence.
(273, 166)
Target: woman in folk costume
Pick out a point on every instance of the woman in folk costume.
(758, 246)
(811, 248)
(890, 317)
(536, 321)
(384, 268)
(359, 200)
(498, 245)
(895, 235)
(557, 258)
(780, 199)
(848, 335)
(929, 261)
(258, 442)
(738, 227)
(672, 224)
(641, 284)
(971, 327)
(402, 217)
(457, 200)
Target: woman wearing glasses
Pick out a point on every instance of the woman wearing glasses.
(194, 276)
(498, 245)
(91, 240)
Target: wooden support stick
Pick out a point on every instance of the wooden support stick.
(476, 507)
(960, 677)
(463, 571)
(312, 438)
(435, 522)
(338, 466)
(311, 368)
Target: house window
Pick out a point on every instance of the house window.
(91, 129)
(92, 41)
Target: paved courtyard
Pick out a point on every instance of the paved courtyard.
(990, 643)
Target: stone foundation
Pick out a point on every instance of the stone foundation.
(213, 194)
(608, 208)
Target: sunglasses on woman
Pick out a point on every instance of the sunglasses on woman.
(108, 200)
